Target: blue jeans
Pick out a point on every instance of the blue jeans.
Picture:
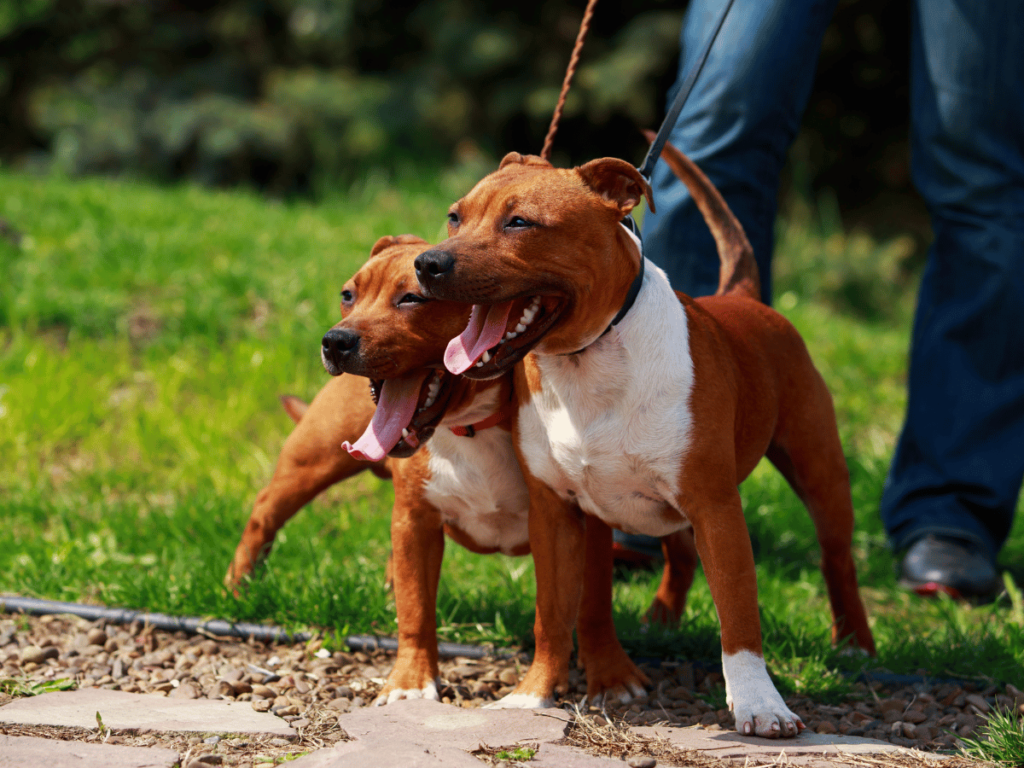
(737, 125)
(959, 462)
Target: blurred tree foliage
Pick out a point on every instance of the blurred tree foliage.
(286, 94)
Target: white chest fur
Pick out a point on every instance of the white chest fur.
(610, 427)
(477, 485)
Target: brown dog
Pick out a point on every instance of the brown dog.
(640, 406)
(311, 461)
(463, 480)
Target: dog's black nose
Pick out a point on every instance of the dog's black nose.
(339, 343)
(431, 265)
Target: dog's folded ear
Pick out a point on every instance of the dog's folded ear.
(617, 181)
(388, 240)
(514, 158)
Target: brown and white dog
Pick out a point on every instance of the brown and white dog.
(464, 482)
(650, 420)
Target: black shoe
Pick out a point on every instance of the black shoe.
(956, 567)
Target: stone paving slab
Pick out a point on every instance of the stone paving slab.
(462, 728)
(141, 712)
(559, 756)
(31, 752)
(405, 734)
(806, 749)
(406, 753)
(425, 734)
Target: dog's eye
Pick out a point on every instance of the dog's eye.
(453, 219)
(517, 222)
(412, 298)
(346, 296)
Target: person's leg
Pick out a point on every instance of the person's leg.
(957, 471)
(737, 125)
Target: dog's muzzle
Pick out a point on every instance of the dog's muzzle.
(433, 267)
(337, 347)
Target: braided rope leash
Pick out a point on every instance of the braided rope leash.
(647, 166)
(570, 71)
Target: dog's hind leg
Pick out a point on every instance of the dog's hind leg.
(669, 602)
(807, 451)
(311, 460)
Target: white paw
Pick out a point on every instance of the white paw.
(429, 691)
(757, 706)
(521, 701)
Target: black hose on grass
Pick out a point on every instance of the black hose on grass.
(243, 630)
(268, 634)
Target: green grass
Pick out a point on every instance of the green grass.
(1003, 742)
(519, 754)
(146, 332)
(16, 687)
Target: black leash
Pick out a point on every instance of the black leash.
(652, 154)
(677, 104)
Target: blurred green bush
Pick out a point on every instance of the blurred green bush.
(285, 95)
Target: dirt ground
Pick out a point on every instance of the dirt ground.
(309, 687)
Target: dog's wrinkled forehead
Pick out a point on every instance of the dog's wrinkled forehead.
(524, 180)
(391, 264)
(522, 189)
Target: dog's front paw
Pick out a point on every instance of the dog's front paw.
(612, 677)
(757, 706)
(521, 701)
(391, 693)
(768, 719)
(536, 690)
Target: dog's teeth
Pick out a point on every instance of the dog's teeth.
(479, 364)
(529, 314)
(405, 433)
(486, 358)
(510, 335)
(520, 328)
(428, 402)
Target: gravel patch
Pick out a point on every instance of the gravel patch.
(308, 687)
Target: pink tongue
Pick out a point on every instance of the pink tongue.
(485, 329)
(395, 408)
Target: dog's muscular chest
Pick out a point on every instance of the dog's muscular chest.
(478, 487)
(610, 436)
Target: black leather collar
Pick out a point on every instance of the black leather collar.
(634, 288)
(638, 281)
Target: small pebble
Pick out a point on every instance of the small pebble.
(96, 636)
(33, 654)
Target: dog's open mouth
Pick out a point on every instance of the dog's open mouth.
(408, 409)
(500, 335)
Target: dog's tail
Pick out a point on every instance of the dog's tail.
(294, 406)
(738, 271)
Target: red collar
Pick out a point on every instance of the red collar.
(491, 421)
